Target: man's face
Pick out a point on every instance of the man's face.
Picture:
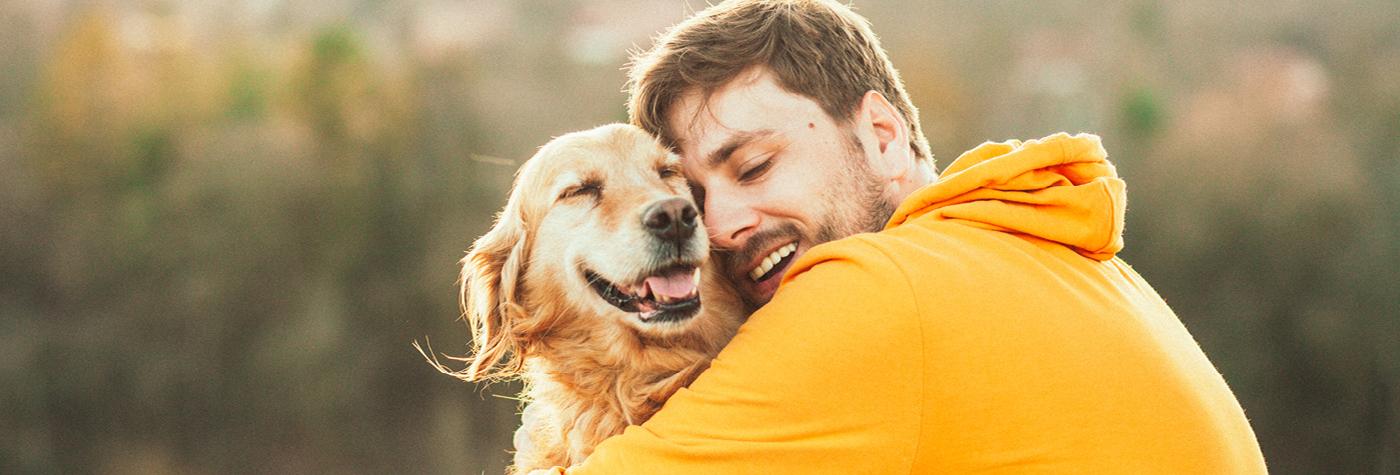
(775, 175)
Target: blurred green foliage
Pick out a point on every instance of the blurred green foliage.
(222, 225)
(1142, 113)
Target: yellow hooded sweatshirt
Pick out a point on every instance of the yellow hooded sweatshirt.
(987, 328)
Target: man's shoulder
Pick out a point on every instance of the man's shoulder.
(859, 253)
(855, 276)
(842, 298)
(931, 246)
(932, 263)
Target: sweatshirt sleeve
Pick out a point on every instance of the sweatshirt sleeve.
(826, 378)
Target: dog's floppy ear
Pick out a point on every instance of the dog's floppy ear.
(491, 274)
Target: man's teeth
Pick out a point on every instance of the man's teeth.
(772, 260)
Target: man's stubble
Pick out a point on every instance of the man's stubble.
(854, 201)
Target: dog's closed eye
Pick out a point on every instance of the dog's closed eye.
(588, 188)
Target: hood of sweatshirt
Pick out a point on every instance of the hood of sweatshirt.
(1060, 188)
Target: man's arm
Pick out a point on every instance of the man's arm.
(827, 378)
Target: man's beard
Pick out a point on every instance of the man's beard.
(854, 202)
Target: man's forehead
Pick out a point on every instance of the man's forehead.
(699, 123)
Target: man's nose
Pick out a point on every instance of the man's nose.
(671, 219)
(728, 221)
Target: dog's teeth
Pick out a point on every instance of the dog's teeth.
(695, 276)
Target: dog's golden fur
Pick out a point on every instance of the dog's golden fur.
(590, 367)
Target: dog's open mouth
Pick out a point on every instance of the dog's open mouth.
(670, 294)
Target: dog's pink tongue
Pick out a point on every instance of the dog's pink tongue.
(674, 285)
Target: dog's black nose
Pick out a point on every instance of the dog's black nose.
(670, 219)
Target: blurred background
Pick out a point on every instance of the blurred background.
(222, 223)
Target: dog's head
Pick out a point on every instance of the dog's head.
(599, 234)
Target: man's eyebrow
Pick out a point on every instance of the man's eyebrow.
(721, 154)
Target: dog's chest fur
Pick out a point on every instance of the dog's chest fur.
(580, 396)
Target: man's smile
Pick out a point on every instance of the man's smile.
(773, 254)
(772, 260)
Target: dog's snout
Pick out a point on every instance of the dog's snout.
(671, 219)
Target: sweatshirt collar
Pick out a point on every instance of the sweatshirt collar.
(1060, 188)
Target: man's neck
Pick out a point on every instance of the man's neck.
(921, 175)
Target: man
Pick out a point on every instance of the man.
(977, 321)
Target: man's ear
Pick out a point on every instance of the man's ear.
(885, 128)
(491, 274)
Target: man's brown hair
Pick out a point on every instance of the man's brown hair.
(815, 48)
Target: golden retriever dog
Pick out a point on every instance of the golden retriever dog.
(589, 287)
